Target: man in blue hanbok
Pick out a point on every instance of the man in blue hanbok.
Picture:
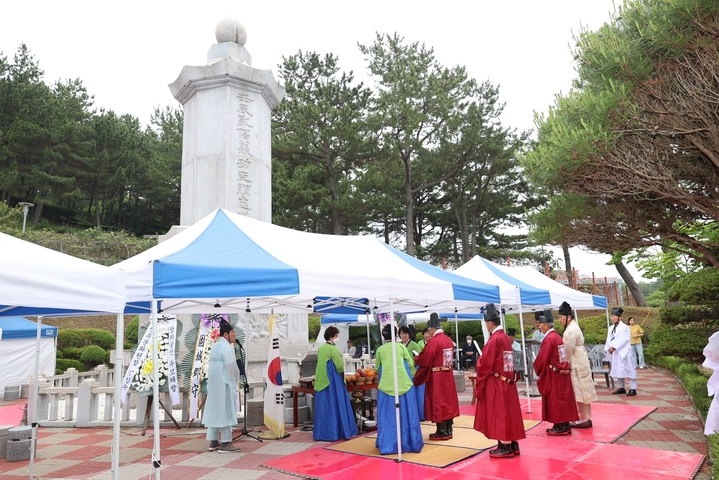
(408, 412)
(220, 413)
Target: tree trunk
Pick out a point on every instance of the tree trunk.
(568, 266)
(632, 284)
(37, 216)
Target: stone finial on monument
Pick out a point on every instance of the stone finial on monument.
(227, 150)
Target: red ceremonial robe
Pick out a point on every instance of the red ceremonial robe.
(558, 404)
(498, 415)
(440, 397)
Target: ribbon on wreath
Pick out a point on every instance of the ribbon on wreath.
(141, 354)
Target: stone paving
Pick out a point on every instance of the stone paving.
(65, 453)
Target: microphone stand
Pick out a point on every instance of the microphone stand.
(245, 388)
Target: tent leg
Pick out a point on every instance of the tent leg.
(33, 415)
(527, 373)
(156, 395)
(119, 335)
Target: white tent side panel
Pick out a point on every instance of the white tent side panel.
(17, 360)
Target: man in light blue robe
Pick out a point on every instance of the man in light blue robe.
(220, 412)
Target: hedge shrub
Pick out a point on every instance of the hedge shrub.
(84, 337)
(62, 364)
(71, 353)
(93, 355)
(686, 341)
(688, 314)
(132, 329)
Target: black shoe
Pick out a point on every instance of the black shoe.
(448, 425)
(559, 430)
(441, 433)
(618, 391)
(515, 447)
(631, 393)
(502, 451)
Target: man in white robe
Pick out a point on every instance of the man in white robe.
(584, 392)
(619, 353)
(220, 412)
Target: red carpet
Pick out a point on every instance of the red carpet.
(540, 458)
(583, 455)
(610, 421)
(12, 414)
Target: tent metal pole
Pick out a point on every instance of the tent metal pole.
(456, 337)
(527, 373)
(35, 396)
(396, 381)
(155, 394)
(369, 347)
(119, 335)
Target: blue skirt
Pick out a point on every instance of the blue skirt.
(334, 418)
(408, 419)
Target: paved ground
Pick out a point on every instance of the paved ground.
(85, 453)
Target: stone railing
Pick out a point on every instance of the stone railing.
(86, 399)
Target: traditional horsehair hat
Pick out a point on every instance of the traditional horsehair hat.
(546, 316)
(225, 327)
(491, 315)
(617, 311)
(512, 332)
(565, 309)
(433, 321)
(538, 314)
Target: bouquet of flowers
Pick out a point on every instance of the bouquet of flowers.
(142, 381)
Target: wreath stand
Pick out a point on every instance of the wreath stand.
(148, 412)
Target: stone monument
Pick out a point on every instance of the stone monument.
(226, 162)
(227, 149)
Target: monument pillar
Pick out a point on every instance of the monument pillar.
(226, 147)
(226, 162)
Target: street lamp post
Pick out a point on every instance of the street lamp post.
(25, 208)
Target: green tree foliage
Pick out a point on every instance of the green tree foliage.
(633, 141)
(79, 166)
(443, 151)
(320, 141)
(418, 103)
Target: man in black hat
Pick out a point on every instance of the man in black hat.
(512, 334)
(619, 353)
(584, 392)
(220, 413)
(498, 414)
(441, 403)
(555, 382)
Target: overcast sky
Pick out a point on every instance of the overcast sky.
(126, 53)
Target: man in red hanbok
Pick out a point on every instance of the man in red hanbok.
(555, 380)
(441, 403)
(498, 415)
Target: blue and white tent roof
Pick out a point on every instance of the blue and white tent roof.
(526, 287)
(18, 327)
(244, 264)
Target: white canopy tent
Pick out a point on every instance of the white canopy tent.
(230, 263)
(18, 342)
(36, 281)
(525, 289)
